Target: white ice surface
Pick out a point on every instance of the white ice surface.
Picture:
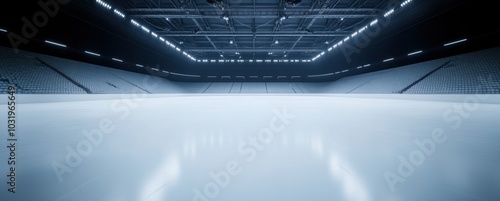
(334, 148)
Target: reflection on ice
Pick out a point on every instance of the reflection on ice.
(352, 187)
(159, 182)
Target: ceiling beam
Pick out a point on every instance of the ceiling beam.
(251, 50)
(250, 34)
(263, 16)
(328, 10)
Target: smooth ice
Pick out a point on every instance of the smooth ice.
(256, 148)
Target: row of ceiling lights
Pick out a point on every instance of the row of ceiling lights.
(373, 23)
(226, 18)
(251, 61)
(145, 29)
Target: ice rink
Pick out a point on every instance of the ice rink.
(254, 147)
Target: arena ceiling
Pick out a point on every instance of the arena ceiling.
(258, 29)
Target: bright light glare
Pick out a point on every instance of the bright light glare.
(145, 29)
(135, 23)
(104, 4)
(405, 3)
(119, 13)
(389, 13)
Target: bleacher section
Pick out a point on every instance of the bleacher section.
(386, 81)
(477, 72)
(29, 76)
(473, 73)
(94, 79)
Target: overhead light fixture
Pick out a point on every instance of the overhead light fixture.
(414, 53)
(145, 29)
(104, 4)
(92, 53)
(168, 19)
(181, 42)
(221, 55)
(283, 17)
(54, 43)
(405, 3)
(231, 42)
(118, 60)
(119, 13)
(225, 17)
(276, 42)
(135, 23)
(139, 65)
(389, 13)
(3, 30)
(453, 43)
(387, 60)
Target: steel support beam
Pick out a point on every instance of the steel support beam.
(242, 50)
(250, 34)
(184, 16)
(327, 10)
